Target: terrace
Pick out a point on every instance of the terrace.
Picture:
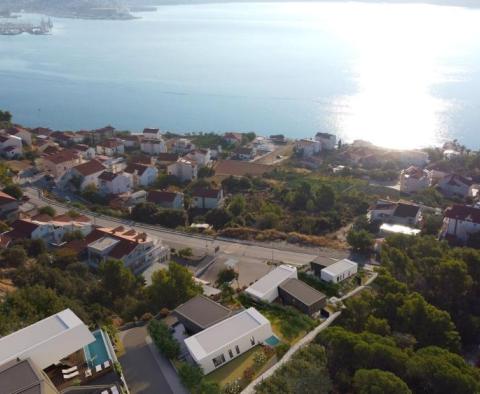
(91, 365)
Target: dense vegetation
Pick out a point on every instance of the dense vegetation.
(404, 335)
(49, 282)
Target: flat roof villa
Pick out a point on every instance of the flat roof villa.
(53, 354)
(339, 271)
(23, 377)
(266, 288)
(201, 312)
(228, 339)
(300, 295)
(47, 341)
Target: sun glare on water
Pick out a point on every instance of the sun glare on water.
(399, 60)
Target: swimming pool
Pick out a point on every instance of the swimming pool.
(96, 352)
(272, 341)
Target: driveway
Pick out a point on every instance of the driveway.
(141, 368)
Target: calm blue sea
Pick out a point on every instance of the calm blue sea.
(397, 75)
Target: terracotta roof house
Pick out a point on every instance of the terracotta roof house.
(456, 185)
(115, 183)
(233, 138)
(111, 147)
(58, 163)
(460, 222)
(166, 199)
(22, 133)
(395, 212)
(143, 175)
(208, 198)
(137, 250)
(8, 206)
(88, 173)
(414, 179)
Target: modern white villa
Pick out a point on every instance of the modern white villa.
(54, 354)
(266, 288)
(225, 341)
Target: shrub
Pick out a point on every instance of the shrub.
(248, 374)
(164, 312)
(281, 349)
(146, 317)
(259, 359)
(163, 339)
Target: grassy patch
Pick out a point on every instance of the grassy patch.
(287, 322)
(233, 370)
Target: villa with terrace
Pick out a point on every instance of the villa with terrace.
(58, 354)
(137, 250)
(228, 339)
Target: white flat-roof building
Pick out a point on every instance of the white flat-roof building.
(339, 271)
(224, 341)
(47, 341)
(388, 229)
(266, 288)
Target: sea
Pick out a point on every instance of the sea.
(397, 75)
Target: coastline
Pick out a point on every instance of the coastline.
(474, 4)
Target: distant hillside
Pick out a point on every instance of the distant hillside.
(459, 3)
(100, 9)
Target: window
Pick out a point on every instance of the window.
(252, 341)
(230, 353)
(237, 349)
(219, 360)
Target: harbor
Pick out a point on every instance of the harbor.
(16, 28)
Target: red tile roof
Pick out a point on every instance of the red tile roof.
(206, 193)
(463, 212)
(107, 176)
(139, 168)
(89, 168)
(456, 180)
(22, 229)
(159, 196)
(6, 198)
(61, 156)
(169, 157)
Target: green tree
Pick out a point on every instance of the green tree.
(14, 191)
(163, 339)
(376, 381)
(191, 376)
(205, 172)
(172, 286)
(226, 276)
(237, 205)
(145, 213)
(360, 241)
(437, 371)
(185, 252)
(117, 280)
(5, 116)
(218, 217)
(47, 210)
(429, 325)
(14, 256)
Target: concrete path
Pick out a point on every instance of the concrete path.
(250, 389)
(144, 372)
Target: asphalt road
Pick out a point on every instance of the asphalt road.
(230, 249)
(142, 371)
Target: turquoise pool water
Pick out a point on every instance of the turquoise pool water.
(272, 341)
(96, 352)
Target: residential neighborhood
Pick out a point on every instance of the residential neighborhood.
(218, 256)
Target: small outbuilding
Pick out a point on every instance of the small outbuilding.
(199, 313)
(339, 271)
(300, 295)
